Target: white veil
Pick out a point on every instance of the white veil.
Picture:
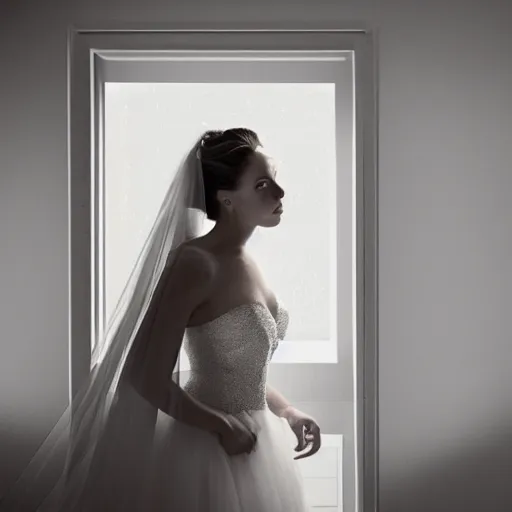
(71, 457)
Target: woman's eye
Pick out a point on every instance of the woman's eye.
(262, 183)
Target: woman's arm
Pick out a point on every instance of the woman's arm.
(277, 403)
(304, 426)
(155, 350)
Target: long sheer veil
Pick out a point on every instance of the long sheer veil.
(70, 457)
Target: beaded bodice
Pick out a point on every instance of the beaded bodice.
(229, 356)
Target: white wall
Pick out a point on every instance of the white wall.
(445, 244)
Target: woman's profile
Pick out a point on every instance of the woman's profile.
(223, 441)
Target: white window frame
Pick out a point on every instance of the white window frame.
(184, 66)
(88, 50)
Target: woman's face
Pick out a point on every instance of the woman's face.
(257, 195)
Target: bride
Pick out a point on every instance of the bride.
(136, 438)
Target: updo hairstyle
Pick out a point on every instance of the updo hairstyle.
(224, 156)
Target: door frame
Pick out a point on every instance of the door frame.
(84, 45)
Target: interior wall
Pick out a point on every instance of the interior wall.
(445, 96)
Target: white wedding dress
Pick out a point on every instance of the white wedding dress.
(186, 468)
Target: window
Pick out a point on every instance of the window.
(326, 277)
(303, 112)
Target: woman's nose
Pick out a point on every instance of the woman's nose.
(279, 192)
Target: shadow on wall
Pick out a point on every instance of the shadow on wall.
(478, 479)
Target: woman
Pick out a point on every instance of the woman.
(224, 440)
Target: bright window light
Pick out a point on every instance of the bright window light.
(148, 128)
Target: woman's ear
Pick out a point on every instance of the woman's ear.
(223, 197)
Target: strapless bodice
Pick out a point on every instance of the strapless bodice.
(229, 356)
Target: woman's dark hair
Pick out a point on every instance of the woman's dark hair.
(224, 157)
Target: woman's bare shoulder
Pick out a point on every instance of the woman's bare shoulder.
(191, 257)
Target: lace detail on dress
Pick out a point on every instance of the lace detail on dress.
(229, 356)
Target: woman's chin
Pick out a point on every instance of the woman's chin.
(273, 220)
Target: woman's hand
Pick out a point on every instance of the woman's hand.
(238, 435)
(306, 429)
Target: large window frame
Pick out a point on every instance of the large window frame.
(183, 66)
(88, 52)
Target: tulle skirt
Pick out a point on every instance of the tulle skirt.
(173, 467)
(200, 477)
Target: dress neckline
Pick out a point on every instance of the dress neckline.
(241, 306)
